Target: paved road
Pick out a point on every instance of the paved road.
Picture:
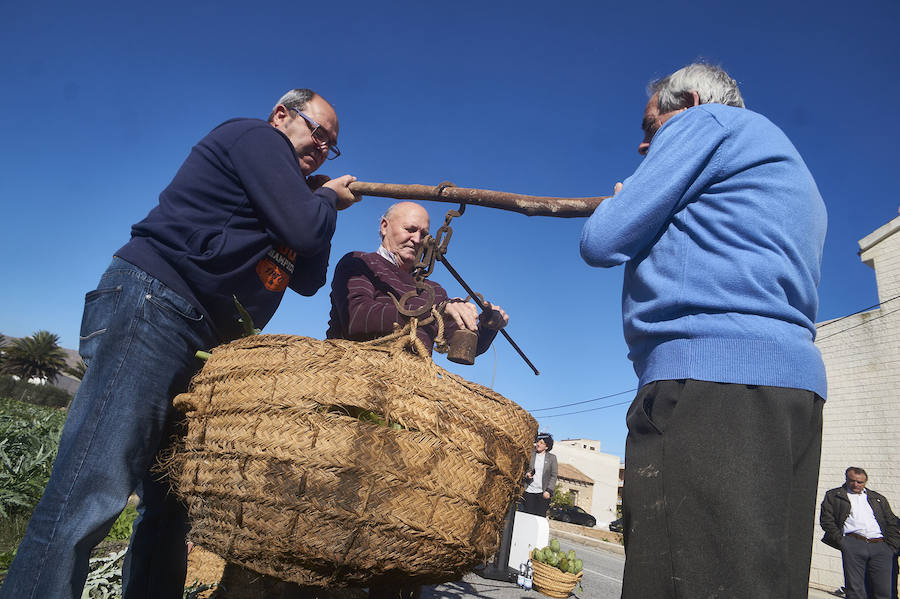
(602, 580)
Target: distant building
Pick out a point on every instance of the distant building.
(578, 484)
(602, 468)
(862, 414)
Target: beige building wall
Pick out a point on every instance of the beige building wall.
(603, 468)
(582, 491)
(862, 414)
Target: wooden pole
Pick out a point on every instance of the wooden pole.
(528, 205)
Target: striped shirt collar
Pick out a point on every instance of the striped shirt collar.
(382, 251)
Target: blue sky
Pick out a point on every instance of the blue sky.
(102, 101)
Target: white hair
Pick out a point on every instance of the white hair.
(387, 217)
(296, 98)
(712, 84)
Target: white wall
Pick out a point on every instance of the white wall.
(862, 413)
(602, 467)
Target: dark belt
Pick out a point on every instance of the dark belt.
(866, 539)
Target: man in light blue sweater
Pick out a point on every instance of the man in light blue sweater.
(721, 231)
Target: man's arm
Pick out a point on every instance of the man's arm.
(341, 186)
(310, 272)
(363, 313)
(529, 465)
(891, 531)
(833, 533)
(292, 214)
(679, 165)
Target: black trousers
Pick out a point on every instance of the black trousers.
(720, 490)
(534, 503)
(861, 559)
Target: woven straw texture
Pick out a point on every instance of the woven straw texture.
(553, 582)
(281, 478)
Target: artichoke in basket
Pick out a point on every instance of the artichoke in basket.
(565, 561)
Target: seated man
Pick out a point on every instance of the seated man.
(361, 308)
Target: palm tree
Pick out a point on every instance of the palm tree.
(35, 357)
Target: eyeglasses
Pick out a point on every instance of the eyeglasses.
(320, 135)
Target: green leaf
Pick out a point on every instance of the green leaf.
(246, 320)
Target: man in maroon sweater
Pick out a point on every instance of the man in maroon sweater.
(361, 308)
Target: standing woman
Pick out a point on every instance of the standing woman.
(541, 476)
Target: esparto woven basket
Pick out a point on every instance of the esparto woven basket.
(281, 478)
(552, 581)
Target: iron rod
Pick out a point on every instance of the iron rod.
(481, 305)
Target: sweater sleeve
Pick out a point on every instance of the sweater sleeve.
(826, 515)
(369, 314)
(485, 338)
(827, 520)
(292, 214)
(680, 163)
(554, 471)
(309, 272)
(891, 530)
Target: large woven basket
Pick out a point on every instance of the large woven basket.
(553, 582)
(281, 478)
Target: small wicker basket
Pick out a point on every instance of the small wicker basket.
(280, 477)
(553, 582)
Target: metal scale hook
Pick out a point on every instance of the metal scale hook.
(463, 342)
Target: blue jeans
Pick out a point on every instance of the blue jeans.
(138, 338)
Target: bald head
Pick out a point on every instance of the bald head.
(403, 227)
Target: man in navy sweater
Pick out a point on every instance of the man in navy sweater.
(240, 218)
(721, 231)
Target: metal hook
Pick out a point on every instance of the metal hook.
(424, 309)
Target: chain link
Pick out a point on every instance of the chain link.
(430, 250)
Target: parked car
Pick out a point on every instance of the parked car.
(615, 525)
(573, 514)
